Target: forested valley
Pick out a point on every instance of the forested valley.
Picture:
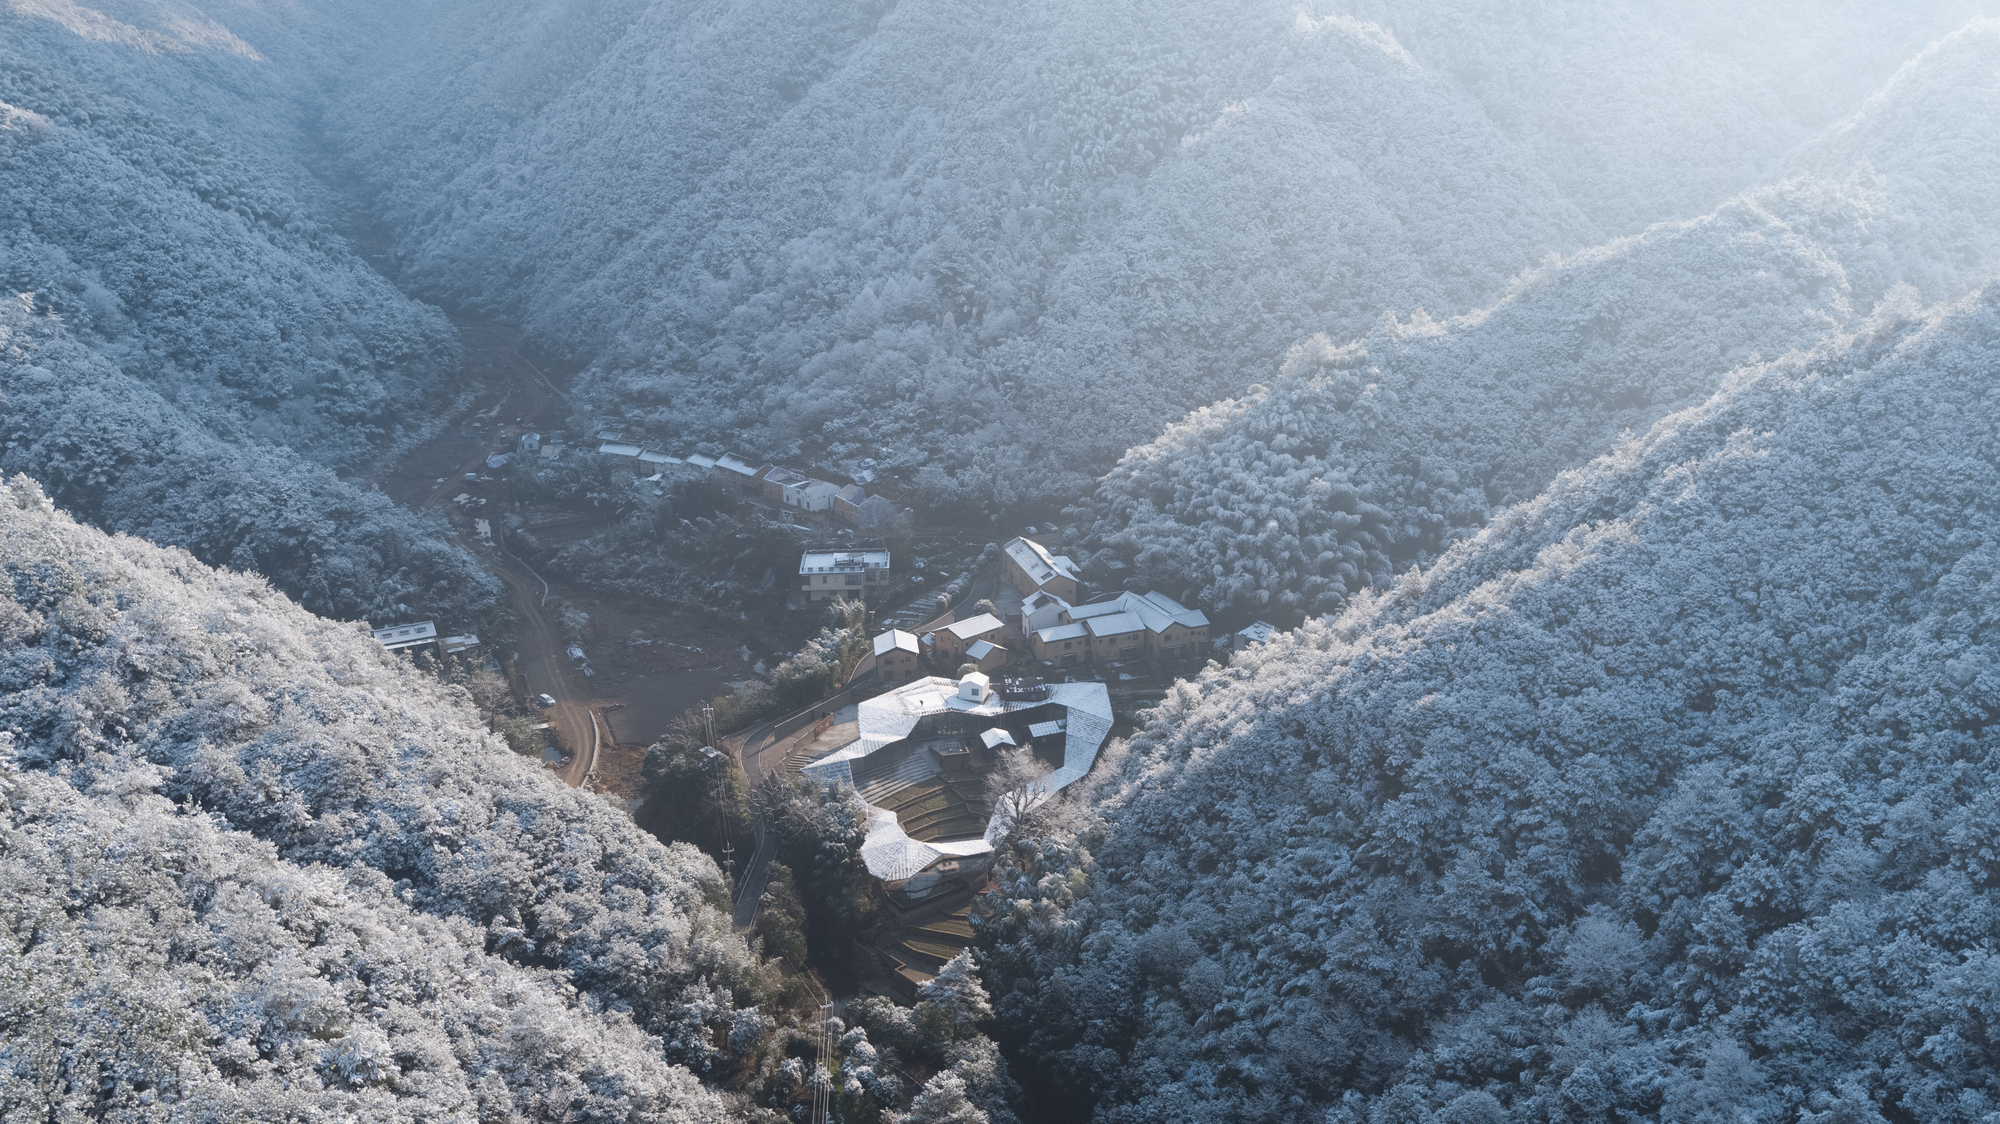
(1590, 411)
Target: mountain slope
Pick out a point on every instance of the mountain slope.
(1360, 459)
(275, 781)
(199, 348)
(1003, 242)
(1668, 794)
(801, 217)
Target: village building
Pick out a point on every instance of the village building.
(1064, 645)
(746, 475)
(918, 761)
(402, 637)
(531, 443)
(954, 639)
(1116, 637)
(824, 575)
(895, 656)
(847, 503)
(1257, 633)
(775, 481)
(813, 495)
(1042, 610)
(987, 656)
(1030, 569)
(1128, 626)
(701, 460)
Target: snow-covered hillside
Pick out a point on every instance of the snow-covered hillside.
(1669, 795)
(256, 868)
(1005, 240)
(199, 345)
(1377, 453)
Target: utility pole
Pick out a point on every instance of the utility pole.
(715, 759)
(822, 1103)
(722, 821)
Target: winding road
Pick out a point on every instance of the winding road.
(544, 663)
(541, 655)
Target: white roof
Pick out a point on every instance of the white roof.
(889, 853)
(996, 736)
(733, 463)
(1258, 632)
(618, 449)
(1116, 624)
(1061, 632)
(1038, 563)
(893, 639)
(405, 635)
(651, 457)
(842, 561)
(1040, 599)
(701, 460)
(982, 648)
(1182, 615)
(853, 494)
(1046, 729)
(967, 629)
(1156, 611)
(817, 488)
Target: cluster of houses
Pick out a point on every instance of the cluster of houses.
(775, 483)
(1061, 632)
(1055, 626)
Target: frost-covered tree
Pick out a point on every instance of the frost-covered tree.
(956, 994)
(1664, 795)
(1003, 243)
(189, 346)
(269, 869)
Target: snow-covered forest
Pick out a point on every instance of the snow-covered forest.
(1005, 241)
(1604, 395)
(257, 866)
(1365, 455)
(1669, 795)
(190, 347)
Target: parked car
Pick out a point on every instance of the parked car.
(546, 699)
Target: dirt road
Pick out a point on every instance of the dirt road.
(545, 667)
(492, 353)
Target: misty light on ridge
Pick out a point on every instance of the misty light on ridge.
(968, 563)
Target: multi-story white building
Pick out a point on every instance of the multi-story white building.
(825, 574)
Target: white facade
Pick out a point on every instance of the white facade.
(889, 718)
(853, 573)
(399, 636)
